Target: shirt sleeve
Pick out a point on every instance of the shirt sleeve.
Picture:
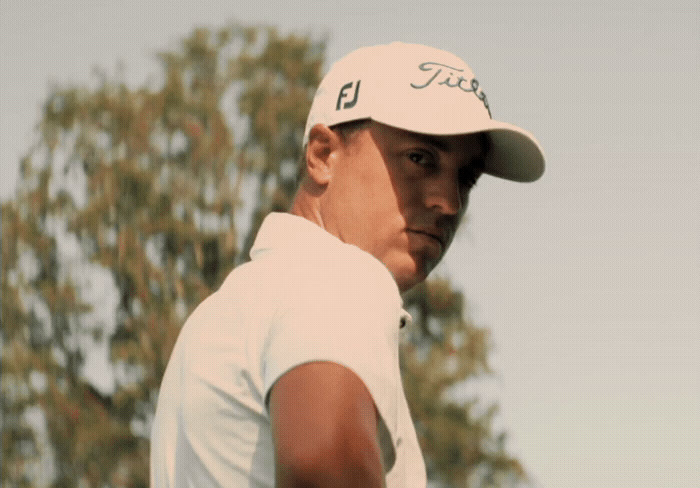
(349, 315)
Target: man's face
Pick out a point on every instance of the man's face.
(400, 195)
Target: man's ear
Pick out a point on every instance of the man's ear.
(320, 153)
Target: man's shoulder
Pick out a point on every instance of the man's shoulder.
(360, 265)
(323, 257)
(343, 265)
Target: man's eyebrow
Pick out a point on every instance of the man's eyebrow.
(433, 141)
(443, 145)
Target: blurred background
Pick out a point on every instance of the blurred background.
(557, 345)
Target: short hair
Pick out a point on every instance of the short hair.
(347, 129)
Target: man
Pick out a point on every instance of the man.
(288, 375)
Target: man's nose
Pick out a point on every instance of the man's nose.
(444, 195)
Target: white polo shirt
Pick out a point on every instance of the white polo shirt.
(305, 296)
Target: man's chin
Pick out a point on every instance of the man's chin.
(409, 268)
(410, 277)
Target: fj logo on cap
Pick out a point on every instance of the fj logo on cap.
(436, 69)
(344, 94)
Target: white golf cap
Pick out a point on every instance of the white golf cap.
(425, 90)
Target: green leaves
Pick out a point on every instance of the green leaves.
(442, 353)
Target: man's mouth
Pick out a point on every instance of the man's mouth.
(435, 235)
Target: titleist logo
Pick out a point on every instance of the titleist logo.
(436, 71)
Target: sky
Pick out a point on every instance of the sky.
(589, 279)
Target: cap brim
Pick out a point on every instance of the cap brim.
(515, 153)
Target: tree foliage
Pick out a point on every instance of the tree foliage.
(132, 207)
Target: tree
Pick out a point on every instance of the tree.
(132, 207)
(443, 351)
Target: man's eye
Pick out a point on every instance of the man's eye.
(420, 158)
